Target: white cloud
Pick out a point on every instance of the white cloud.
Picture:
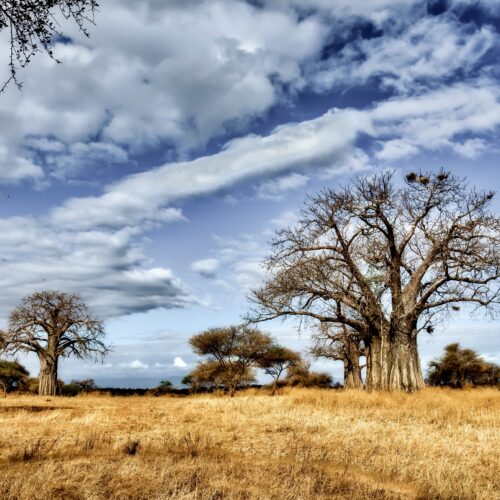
(179, 362)
(408, 58)
(137, 365)
(274, 189)
(179, 75)
(143, 196)
(206, 267)
(108, 269)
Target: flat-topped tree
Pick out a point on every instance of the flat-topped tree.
(230, 353)
(53, 324)
(387, 262)
(275, 361)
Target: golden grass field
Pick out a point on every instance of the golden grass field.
(301, 444)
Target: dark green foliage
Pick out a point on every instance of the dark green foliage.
(85, 385)
(462, 367)
(13, 376)
(70, 390)
(164, 387)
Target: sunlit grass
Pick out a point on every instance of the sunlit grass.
(304, 443)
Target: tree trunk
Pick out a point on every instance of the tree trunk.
(352, 375)
(352, 368)
(404, 364)
(393, 362)
(47, 382)
(376, 362)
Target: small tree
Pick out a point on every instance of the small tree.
(341, 343)
(52, 324)
(461, 367)
(33, 28)
(231, 353)
(13, 376)
(85, 385)
(300, 374)
(164, 387)
(276, 360)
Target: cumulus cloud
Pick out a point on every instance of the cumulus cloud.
(179, 362)
(110, 270)
(206, 267)
(192, 69)
(137, 365)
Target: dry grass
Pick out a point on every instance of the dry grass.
(299, 445)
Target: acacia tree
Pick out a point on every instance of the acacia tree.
(33, 27)
(461, 367)
(12, 376)
(231, 352)
(341, 343)
(52, 324)
(386, 262)
(276, 360)
(213, 375)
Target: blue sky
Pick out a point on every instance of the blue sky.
(150, 169)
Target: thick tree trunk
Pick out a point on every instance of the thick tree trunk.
(352, 374)
(352, 368)
(404, 364)
(393, 362)
(47, 382)
(376, 362)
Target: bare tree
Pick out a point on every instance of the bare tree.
(387, 262)
(341, 343)
(234, 350)
(53, 324)
(276, 360)
(33, 27)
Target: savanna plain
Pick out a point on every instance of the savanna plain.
(300, 444)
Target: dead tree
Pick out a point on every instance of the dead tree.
(53, 324)
(387, 262)
(344, 344)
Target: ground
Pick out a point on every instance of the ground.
(301, 444)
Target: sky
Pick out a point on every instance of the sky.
(149, 170)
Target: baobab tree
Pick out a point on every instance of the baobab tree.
(387, 262)
(341, 343)
(33, 27)
(53, 324)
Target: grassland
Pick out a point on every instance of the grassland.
(302, 444)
